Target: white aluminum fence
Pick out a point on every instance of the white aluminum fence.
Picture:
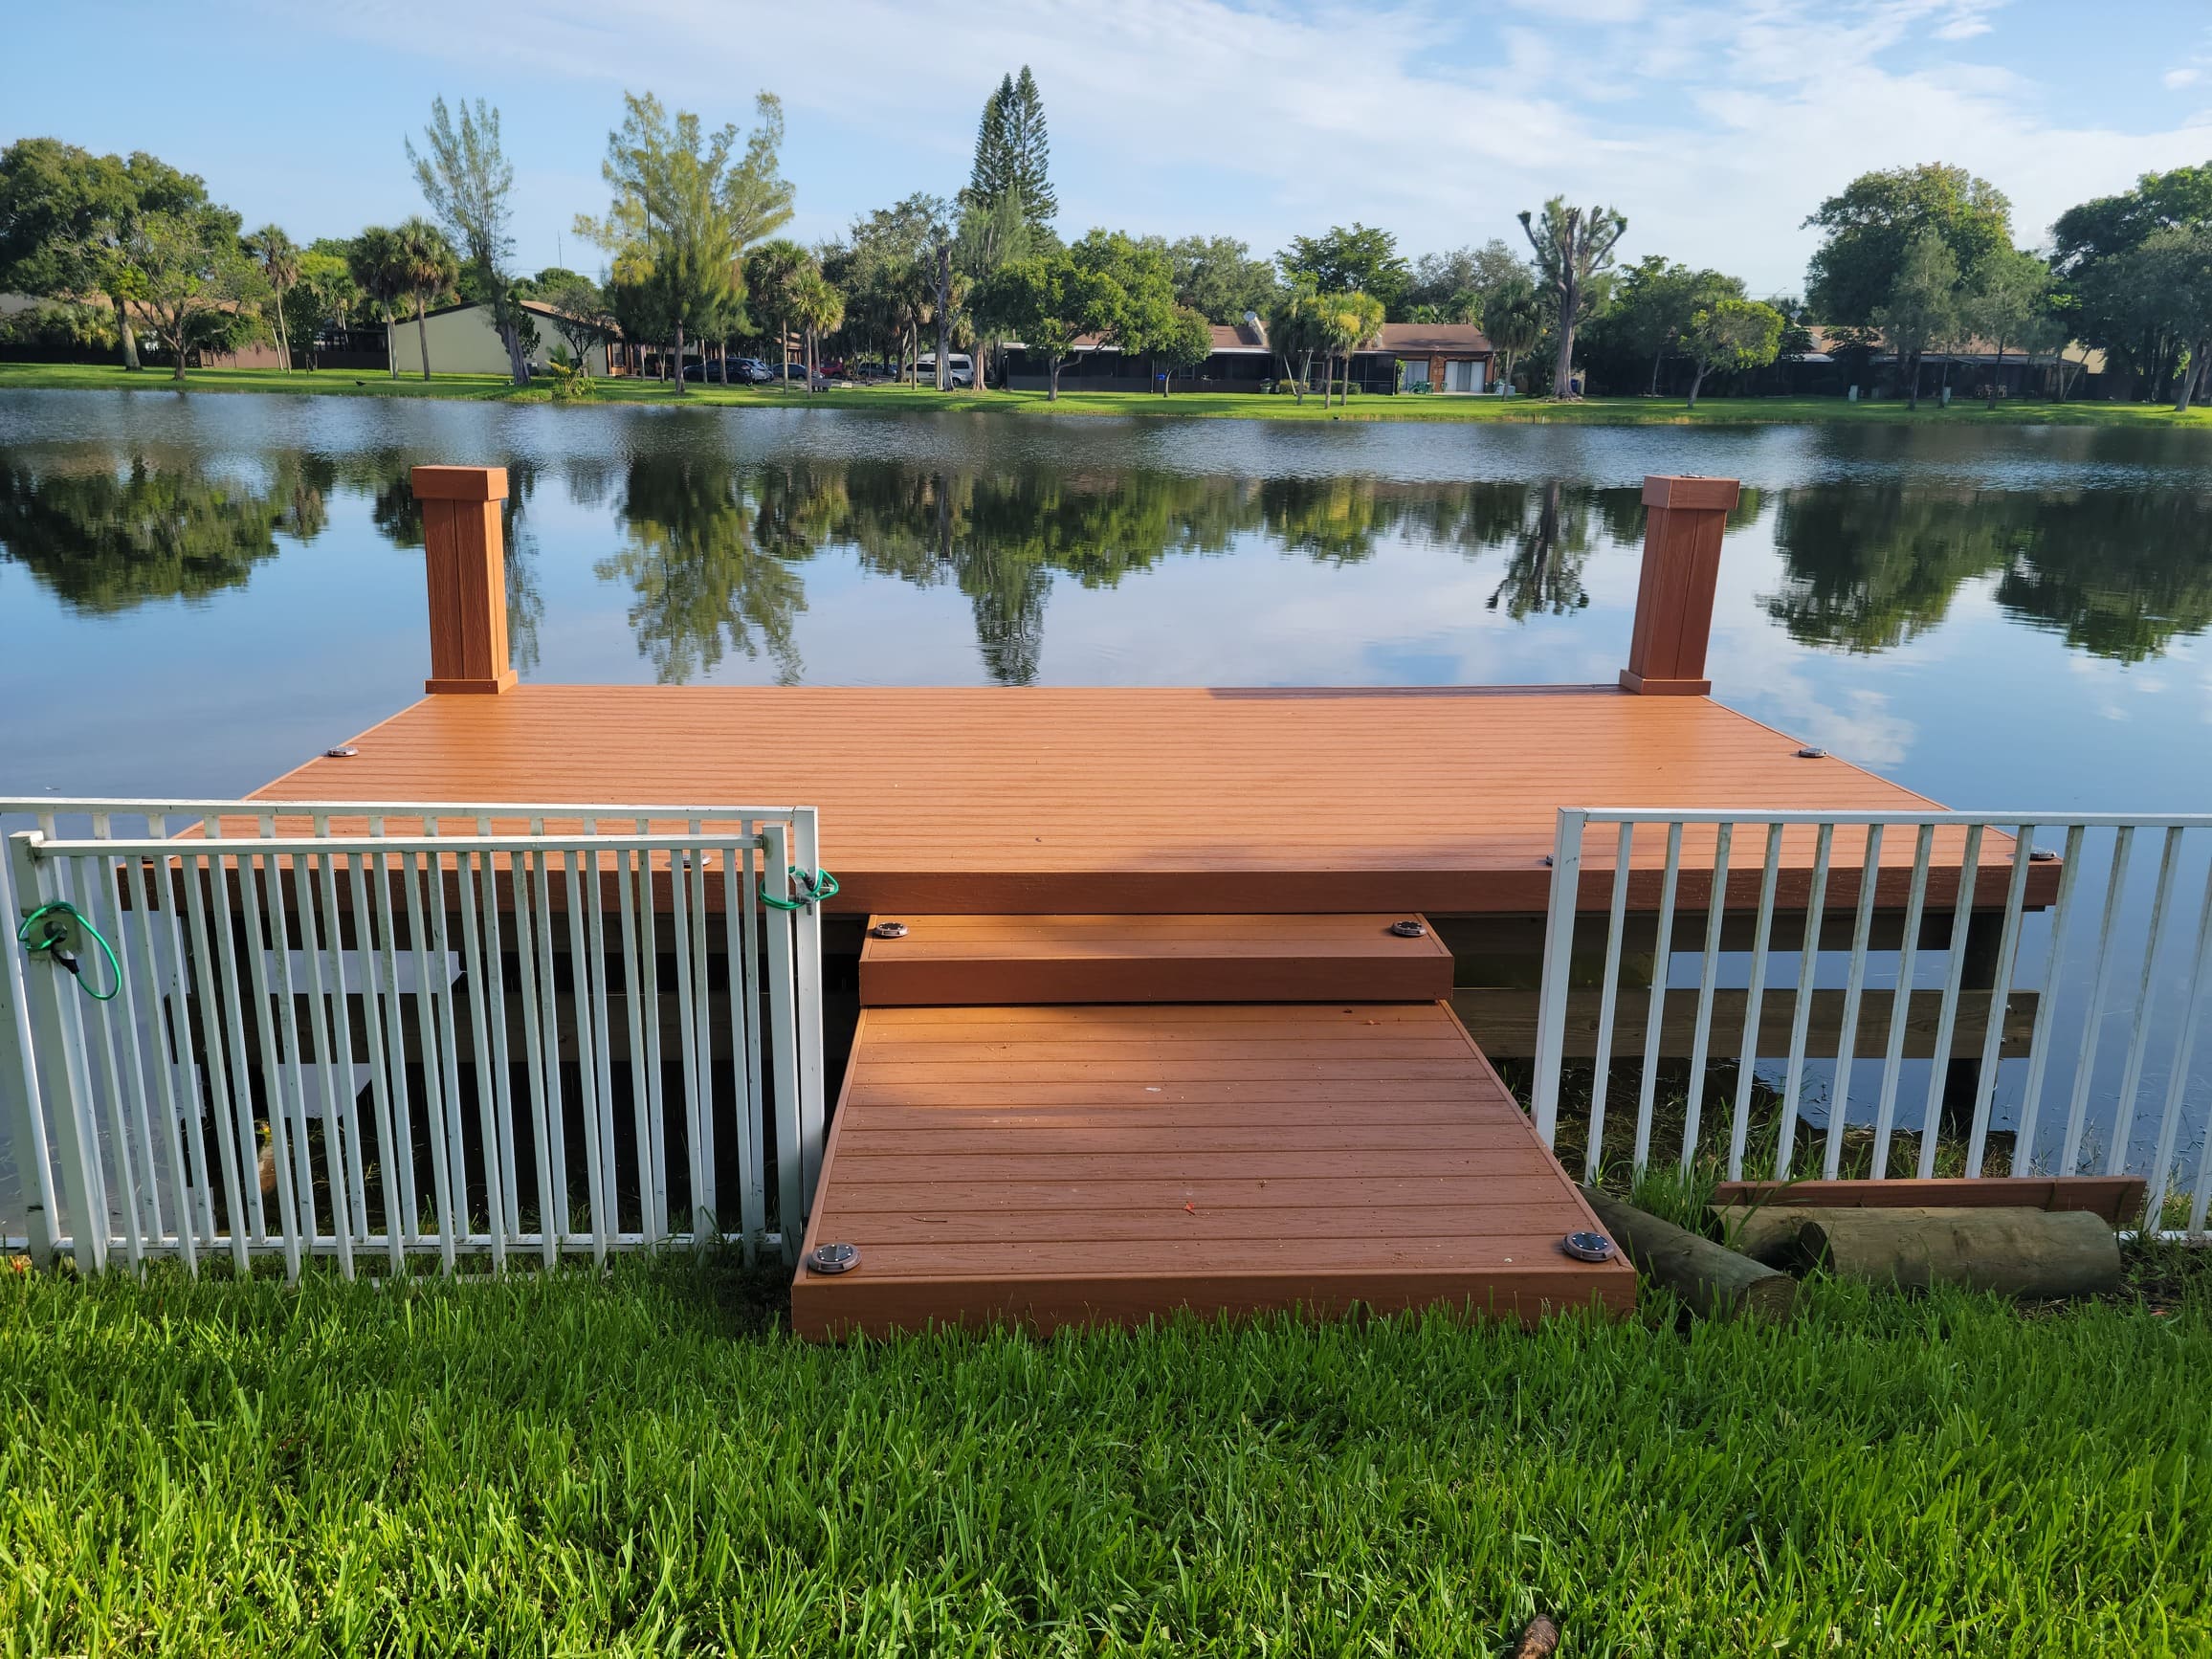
(404, 1031)
(2040, 1020)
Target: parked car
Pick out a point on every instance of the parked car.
(744, 371)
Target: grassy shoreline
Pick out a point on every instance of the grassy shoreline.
(1218, 405)
(642, 1462)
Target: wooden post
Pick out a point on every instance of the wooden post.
(464, 560)
(1675, 598)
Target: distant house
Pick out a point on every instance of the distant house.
(464, 340)
(1452, 357)
(1842, 358)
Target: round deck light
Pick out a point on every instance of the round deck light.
(834, 1258)
(344, 752)
(1409, 929)
(889, 930)
(1588, 1246)
(1809, 753)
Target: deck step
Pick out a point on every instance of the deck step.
(1109, 1164)
(950, 961)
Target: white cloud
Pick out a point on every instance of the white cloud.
(1720, 125)
(2178, 79)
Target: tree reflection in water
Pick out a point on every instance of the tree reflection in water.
(2120, 573)
(711, 545)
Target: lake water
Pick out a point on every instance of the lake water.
(199, 592)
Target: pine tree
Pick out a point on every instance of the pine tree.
(1013, 155)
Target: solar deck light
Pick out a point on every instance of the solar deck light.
(1588, 1246)
(1409, 929)
(834, 1258)
(889, 930)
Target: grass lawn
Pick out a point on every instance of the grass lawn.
(1597, 412)
(643, 1463)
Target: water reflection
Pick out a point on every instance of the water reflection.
(103, 542)
(709, 548)
(2120, 573)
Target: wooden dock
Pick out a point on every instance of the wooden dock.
(1148, 1042)
(1049, 1160)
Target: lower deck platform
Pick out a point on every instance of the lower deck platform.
(1098, 1165)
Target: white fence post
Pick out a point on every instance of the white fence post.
(64, 1083)
(1558, 953)
(19, 1093)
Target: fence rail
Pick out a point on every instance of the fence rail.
(2103, 957)
(378, 1031)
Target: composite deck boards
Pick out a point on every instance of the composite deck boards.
(982, 960)
(1147, 800)
(1062, 1163)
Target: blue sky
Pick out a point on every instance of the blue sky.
(1715, 125)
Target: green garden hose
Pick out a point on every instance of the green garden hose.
(812, 890)
(56, 934)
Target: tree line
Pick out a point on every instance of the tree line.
(1919, 262)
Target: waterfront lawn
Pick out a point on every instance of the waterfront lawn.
(643, 1463)
(1596, 411)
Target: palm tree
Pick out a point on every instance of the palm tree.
(775, 273)
(430, 267)
(379, 264)
(819, 309)
(1294, 333)
(279, 257)
(1513, 317)
(1347, 322)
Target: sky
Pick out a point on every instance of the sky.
(1715, 125)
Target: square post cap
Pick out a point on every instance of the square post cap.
(460, 483)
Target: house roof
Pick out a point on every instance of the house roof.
(1244, 338)
(1446, 337)
(1829, 339)
(536, 305)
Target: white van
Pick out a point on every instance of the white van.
(958, 363)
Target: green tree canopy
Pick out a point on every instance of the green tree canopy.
(469, 183)
(672, 227)
(1922, 311)
(1013, 154)
(1869, 229)
(1361, 258)
(1047, 301)
(1731, 335)
(1217, 277)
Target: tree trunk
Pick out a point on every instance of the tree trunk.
(283, 338)
(517, 368)
(679, 387)
(943, 316)
(1712, 1280)
(1656, 358)
(2189, 377)
(1563, 370)
(390, 345)
(1052, 369)
(1696, 381)
(1912, 382)
(128, 337)
(1997, 375)
(2040, 1255)
(783, 357)
(423, 336)
(177, 343)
